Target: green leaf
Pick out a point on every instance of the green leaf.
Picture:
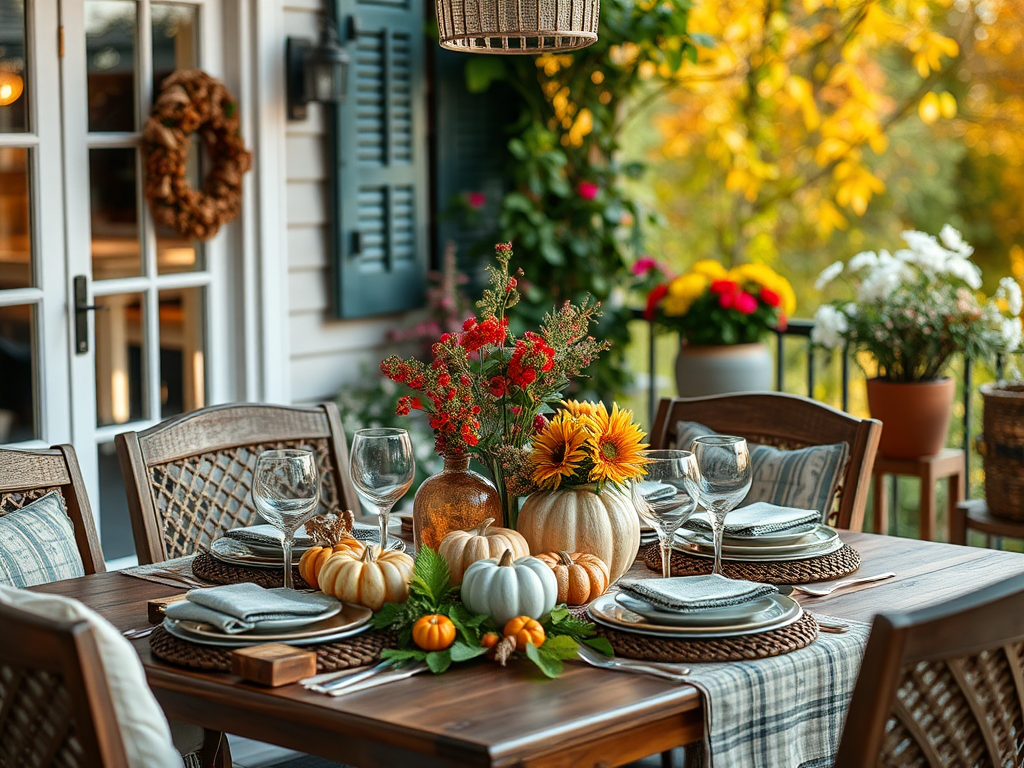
(402, 654)
(430, 577)
(439, 661)
(561, 647)
(389, 615)
(550, 665)
(462, 651)
(558, 613)
(600, 644)
(481, 71)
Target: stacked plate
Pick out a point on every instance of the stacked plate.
(344, 621)
(630, 614)
(770, 547)
(267, 555)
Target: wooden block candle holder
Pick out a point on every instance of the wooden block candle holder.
(155, 608)
(273, 664)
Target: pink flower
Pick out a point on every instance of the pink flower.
(644, 265)
(745, 303)
(476, 200)
(588, 190)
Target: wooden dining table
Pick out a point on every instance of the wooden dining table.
(482, 715)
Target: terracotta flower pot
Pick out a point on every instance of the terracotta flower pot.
(915, 415)
(718, 370)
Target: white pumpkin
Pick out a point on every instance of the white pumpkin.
(578, 519)
(506, 588)
(460, 549)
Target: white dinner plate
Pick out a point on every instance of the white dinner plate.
(691, 547)
(607, 611)
(350, 620)
(762, 609)
(821, 537)
(266, 556)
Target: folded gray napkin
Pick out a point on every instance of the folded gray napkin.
(761, 518)
(238, 608)
(654, 490)
(687, 594)
(267, 535)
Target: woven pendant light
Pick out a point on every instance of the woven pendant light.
(517, 26)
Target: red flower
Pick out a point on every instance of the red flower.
(770, 297)
(588, 190)
(476, 200)
(783, 324)
(727, 300)
(539, 423)
(745, 303)
(724, 286)
(476, 335)
(497, 386)
(655, 296)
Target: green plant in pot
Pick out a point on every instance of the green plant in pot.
(912, 312)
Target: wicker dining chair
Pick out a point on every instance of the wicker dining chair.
(942, 686)
(784, 421)
(27, 475)
(188, 478)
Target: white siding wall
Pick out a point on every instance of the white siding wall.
(324, 353)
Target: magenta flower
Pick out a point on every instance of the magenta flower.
(643, 265)
(588, 190)
(476, 200)
(745, 303)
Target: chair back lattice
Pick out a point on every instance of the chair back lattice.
(942, 686)
(198, 498)
(12, 501)
(37, 729)
(517, 26)
(964, 711)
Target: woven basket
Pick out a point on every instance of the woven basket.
(1002, 447)
(517, 26)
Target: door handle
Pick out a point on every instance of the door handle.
(82, 309)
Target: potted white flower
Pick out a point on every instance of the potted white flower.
(913, 310)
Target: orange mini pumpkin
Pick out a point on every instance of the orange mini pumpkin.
(525, 630)
(313, 559)
(581, 577)
(433, 632)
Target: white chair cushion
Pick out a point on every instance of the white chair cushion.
(144, 729)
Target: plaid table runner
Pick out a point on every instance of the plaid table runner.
(782, 712)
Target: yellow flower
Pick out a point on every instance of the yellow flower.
(683, 291)
(577, 409)
(711, 269)
(764, 276)
(616, 446)
(558, 451)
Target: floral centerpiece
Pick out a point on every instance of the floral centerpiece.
(722, 317)
(486, 390)
(914, 310)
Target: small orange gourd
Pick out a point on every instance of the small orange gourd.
(433, 632)
(526, 631)
(313, 559)
(581, 577)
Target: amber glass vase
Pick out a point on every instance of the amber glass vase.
(454, 499)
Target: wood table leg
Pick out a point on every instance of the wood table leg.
(955, 491)
(928, 503)
(957, 524)
(880, 524)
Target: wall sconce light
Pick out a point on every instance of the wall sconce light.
(316, 73)
(11, 86)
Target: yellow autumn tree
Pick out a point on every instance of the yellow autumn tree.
(785, 114)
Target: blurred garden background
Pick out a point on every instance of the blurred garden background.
(788, 133)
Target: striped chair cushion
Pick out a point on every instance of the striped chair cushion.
(805, 478)
(37, 544)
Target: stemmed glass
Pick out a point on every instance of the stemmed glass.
(719, 477)
(286, 490)
(665, 508)
(382, 466)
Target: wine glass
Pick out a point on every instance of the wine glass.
(286, 490)
(667, 505)
(719, 477)
(382, 468)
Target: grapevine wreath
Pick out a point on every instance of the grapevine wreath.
(193, 102)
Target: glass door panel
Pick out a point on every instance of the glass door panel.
(114, 203)
(110, 58)
(182, 351)
(120, 358)
(15, 218)
(19, 404)
(13, 72)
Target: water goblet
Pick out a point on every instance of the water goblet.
(663, 499)
(382, 466)
(719, 478)
(286, 491)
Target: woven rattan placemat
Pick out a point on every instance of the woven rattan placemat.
(832, 566)
(208, 568)
(744, 648)
(352, 652)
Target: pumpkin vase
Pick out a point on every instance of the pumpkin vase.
(454, 499)
(915, 415)
(580, 519)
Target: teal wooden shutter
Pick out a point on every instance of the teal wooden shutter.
(381, 199)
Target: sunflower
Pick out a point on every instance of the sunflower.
(558, 451)
(616, 446)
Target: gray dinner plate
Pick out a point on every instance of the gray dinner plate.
(608, 611)
(259, 556)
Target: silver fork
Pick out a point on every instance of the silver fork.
(595, 659)
(138, 632)
(822, 591)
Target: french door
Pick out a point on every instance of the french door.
(126, 321)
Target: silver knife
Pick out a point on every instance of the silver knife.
(383, 678)
(351, 679)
